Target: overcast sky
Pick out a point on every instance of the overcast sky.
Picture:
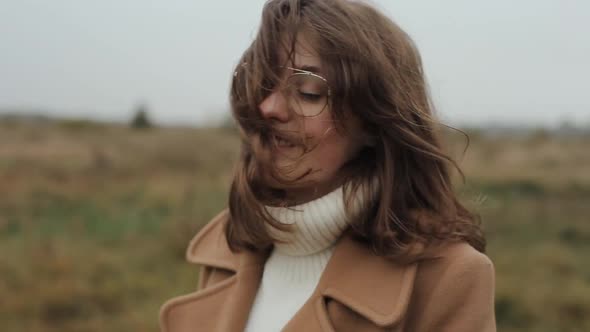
(523, 61)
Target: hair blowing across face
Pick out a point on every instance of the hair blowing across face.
(376, 76)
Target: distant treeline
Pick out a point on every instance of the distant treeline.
(141, 119)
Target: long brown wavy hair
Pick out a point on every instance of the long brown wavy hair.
(376, 75)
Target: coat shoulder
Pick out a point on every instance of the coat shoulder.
(457, 269)
(455, 258)
(454, 291)
(461, 254)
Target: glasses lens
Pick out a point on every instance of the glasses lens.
(307, 94)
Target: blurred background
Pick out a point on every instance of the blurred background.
(116, 147)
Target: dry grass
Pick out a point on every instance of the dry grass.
(94, 220)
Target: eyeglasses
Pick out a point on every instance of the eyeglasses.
(306, 92)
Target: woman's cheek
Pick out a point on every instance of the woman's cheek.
(330, 156)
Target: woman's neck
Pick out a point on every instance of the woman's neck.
(298, 196)
(317, 223)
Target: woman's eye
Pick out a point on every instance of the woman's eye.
(311, 97)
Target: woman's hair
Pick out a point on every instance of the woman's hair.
(375, 75)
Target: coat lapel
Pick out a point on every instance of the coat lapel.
(224, 306)
(373, 287)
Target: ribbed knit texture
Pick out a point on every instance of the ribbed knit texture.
(293, 269)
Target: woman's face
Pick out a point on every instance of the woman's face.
(330, 148)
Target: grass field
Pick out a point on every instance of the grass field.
(94, 220)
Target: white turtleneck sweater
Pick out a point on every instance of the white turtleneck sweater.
(293, 269)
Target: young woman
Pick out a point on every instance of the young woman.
(342, 214)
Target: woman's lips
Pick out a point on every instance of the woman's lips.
(283, 142)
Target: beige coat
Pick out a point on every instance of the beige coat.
(358, 291)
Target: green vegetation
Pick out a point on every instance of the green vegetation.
(94, 220)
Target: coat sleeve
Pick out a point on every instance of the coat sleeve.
(462, 299)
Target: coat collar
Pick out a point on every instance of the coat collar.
(372, 286)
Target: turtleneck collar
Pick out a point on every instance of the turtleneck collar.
(317, 224)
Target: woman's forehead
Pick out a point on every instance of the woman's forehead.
(304, 56)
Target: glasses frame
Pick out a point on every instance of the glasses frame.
(301, 72)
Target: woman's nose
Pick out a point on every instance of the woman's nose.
(274, 106)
